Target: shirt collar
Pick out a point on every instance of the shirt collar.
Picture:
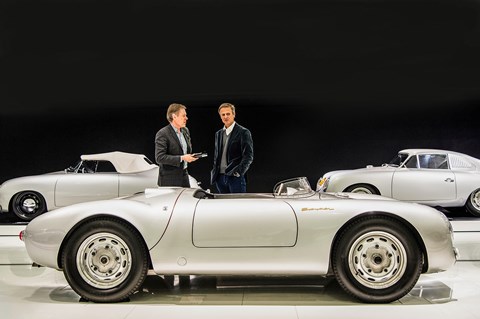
(178, 131)
(229, 129)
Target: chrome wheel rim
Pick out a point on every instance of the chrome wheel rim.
(377, 260)
(475, 200)
(361, 190)
(104, 260)
(29, 205)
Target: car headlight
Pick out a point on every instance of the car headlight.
(322, 184)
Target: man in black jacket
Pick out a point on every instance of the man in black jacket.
(233, 153)
(173, 148)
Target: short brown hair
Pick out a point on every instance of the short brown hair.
(231, 106)
(173, 109)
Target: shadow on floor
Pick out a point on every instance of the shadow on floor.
(211, 290)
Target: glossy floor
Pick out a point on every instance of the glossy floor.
(32, 292)
(39, 293)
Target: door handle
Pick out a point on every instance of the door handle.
(449, 180)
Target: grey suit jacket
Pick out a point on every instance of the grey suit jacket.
(168, 151)
(239, 152)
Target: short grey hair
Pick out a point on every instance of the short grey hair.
(223, 105)
(174, 108)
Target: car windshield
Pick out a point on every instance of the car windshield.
(295, 187)
(83, 167)
(398, 159)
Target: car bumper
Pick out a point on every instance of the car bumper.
(457, 253)
(43, 246)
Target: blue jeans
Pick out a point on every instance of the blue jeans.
(231, 184)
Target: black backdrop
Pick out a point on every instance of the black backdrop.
(322, 85)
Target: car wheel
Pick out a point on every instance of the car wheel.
(473, 203)
(362, 189)
(105, 260)
(376, 259)
(28, 205)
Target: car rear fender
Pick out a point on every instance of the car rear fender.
(379, 178)
(407, 224)
(49, 232)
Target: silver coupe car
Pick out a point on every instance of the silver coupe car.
(427, 176)
(94, 177)
(374, 246)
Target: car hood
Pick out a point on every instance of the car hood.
(360, 196)
(57, 173)
(369, 168)
(32, 178)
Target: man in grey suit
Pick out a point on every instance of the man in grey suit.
(173, 148)
(233, 153)
(172, 154)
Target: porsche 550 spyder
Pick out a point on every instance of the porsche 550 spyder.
(427, 176)
(374, 246)
(93, 177)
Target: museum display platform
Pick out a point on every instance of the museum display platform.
(28, 291)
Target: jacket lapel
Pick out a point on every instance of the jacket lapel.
(186, 135)
(174, 136)
(233, 135)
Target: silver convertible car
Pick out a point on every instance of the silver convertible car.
(374, 246)
(427, 176)
(94, 177)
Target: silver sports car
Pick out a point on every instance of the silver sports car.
(427, 176)
(374, 246)
(94, 177)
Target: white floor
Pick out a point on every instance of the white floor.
(37, 293)
(31, 292)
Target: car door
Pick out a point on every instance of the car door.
(246, 222)
(83, 187)
(429, 179)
